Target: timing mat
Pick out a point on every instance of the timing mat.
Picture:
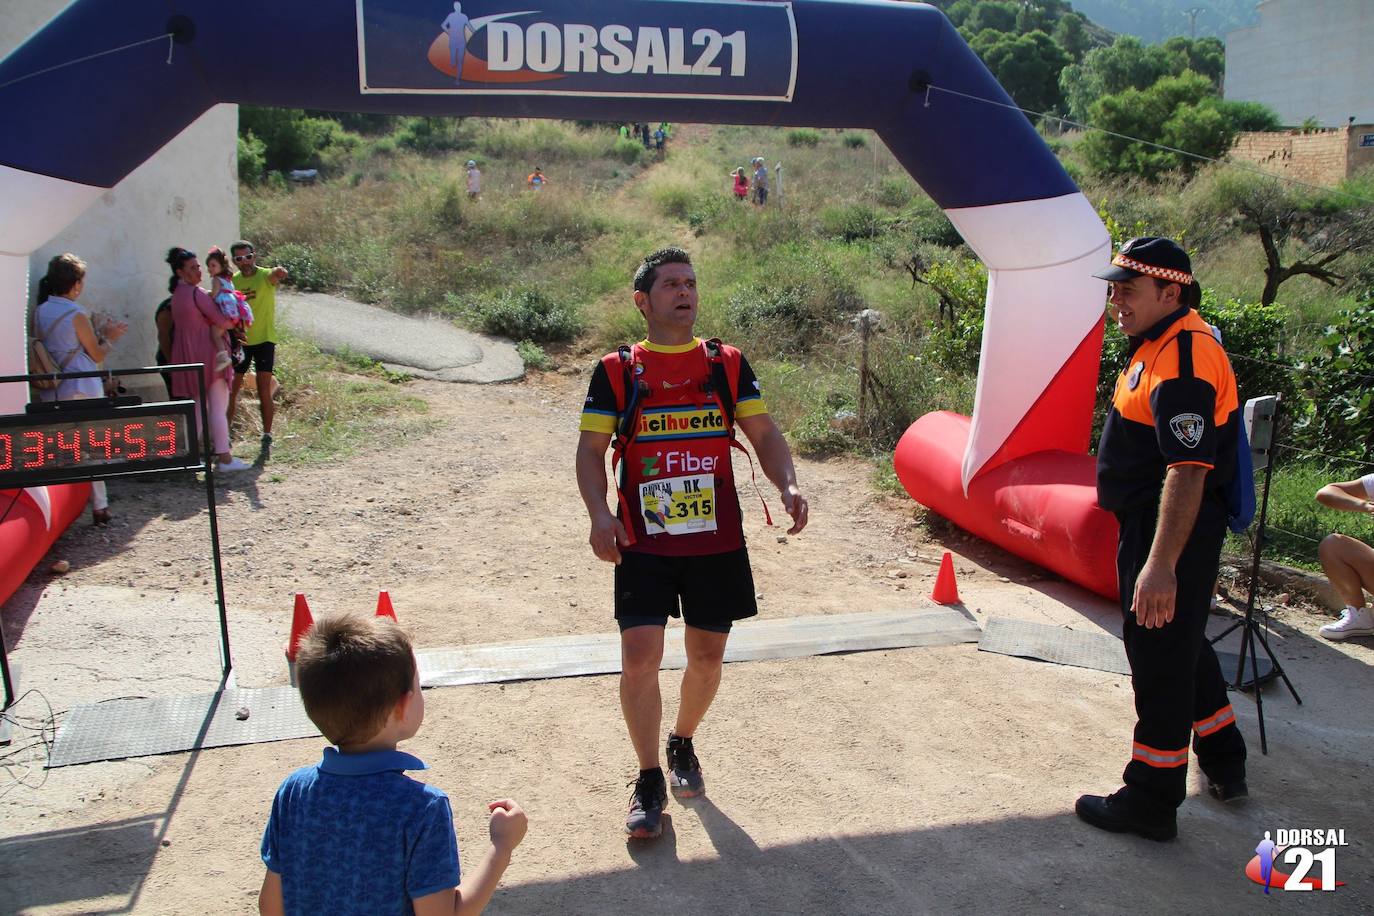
(140, 727)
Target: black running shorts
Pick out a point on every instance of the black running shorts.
(708, 592)
(263, 356)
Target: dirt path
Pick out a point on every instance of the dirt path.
(925, 780)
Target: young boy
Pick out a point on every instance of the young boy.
(353, 833)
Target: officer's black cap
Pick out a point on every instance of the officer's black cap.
(1150, 256)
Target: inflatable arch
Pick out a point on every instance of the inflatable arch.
(1017, 473)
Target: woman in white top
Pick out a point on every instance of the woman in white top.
(66, 330)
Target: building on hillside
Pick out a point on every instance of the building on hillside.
(1306, 59)
(1322, 157)
(187, 195)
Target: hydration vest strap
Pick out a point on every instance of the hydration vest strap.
(754, 479)
(631, 403)
(720, 385)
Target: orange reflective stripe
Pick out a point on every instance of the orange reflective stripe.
(1215, 722)
(1156, 758)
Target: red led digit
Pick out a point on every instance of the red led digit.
(167, 438)
(33, 451)
(6, 452)
(135, 441)
(70, 442)
(100, 439)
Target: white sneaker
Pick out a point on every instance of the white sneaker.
(234, 464)
(1355, 621)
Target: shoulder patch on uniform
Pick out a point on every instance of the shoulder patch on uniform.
(1188, 428)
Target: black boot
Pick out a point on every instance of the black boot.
(1121, 813)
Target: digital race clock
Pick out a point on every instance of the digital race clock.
(53, 446)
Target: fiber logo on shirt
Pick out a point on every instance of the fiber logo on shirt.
(1188, 428)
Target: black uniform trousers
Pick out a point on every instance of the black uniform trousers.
(1178, 685)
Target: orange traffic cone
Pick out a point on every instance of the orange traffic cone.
(384, 608)
(300, 622)
(946, 591)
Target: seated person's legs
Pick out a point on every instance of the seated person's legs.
(1349, 565)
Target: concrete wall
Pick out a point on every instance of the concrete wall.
(1306, 58)
(1324, 157)
(185, 195)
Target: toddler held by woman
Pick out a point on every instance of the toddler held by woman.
(232, 304)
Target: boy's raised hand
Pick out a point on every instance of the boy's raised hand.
(508, 824)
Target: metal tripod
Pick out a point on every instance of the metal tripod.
(1261, 448)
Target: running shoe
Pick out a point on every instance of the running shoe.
(234, 464)
(1355, 621)
(645, 820)
(684, 772)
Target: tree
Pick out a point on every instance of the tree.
(1203, 55)
(1070, 35)
(990, 14)
(1300, 233)
(1176, 111)
(1126, 64)
(1342, 419)
(1027, 66)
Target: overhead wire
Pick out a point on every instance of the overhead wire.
(169, 36)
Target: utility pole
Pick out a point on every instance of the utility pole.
(1192, 19)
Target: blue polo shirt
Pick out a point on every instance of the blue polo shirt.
(354, 834)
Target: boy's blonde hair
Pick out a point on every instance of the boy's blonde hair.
(352, 670)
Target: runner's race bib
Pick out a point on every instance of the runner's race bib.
(679, 505)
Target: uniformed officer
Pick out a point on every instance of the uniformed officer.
(1166, 457)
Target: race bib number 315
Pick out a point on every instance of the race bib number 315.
(679, 505)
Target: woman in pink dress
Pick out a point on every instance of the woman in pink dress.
(193, 316)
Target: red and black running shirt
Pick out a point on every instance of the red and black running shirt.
(681, 434)
(1175, 403)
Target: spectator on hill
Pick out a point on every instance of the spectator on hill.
(760, 181)
(1347, 562)
(741, 183)
(474, 177)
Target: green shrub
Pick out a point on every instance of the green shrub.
(927, 223)
(851, 222)
(854, 141)
(252, 157)
(309, 268)
(448, 205)
(630, 152)
(803, 136)
(533, 356)
(527, 314)
(291, 140)
(893, 191)
(819, 433)
(431, 134)
(1342, 419)
(907, 386)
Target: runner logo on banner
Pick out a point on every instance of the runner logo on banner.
(745, 51)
